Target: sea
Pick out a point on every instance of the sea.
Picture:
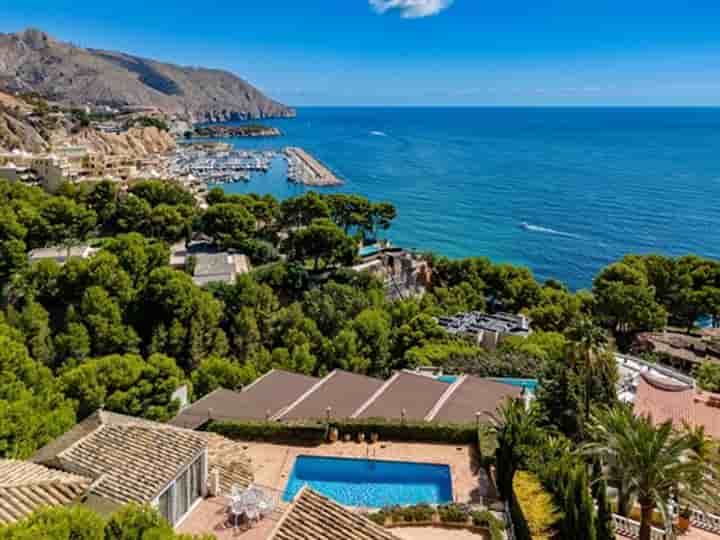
(563, 191)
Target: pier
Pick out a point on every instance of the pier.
(305, 169)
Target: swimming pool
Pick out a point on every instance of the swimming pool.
(370, 250)
(529, 384)
(447, 378)
(371, 483)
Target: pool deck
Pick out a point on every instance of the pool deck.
(272, 463)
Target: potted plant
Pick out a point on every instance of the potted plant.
(684, 519)
(361, 437)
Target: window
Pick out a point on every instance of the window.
(165, 505)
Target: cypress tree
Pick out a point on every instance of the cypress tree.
(605, 529)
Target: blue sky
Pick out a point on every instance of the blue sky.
(416, 52)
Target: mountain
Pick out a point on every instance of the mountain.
(32, 61)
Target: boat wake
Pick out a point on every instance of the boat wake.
(545, 230)
(378, 133)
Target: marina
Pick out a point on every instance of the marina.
(220, 167)
(305, 169)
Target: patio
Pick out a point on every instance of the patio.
(272, 465)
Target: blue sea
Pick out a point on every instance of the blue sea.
(561, 190)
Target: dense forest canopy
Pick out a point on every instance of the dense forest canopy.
(122, 329)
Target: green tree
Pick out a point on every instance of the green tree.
(157, 192)
(372, 327)
(138, 255)
(126, 384)
(586, 344)
(657, 462)
(516, 431)
(229, 225)
(33, 411)
(75, 522)
(132, 214)
(216, 372)
(321, 241)
(303, 210)
(625, 302)
(62, 220)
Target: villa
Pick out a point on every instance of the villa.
(486, 330)
(60, 254)
(109, 460)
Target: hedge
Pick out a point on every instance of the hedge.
(270, 431)
(409, 431)
(316, 432)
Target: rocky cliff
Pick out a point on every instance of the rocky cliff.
(136, 141)
(32, 61)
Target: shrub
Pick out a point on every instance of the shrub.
(270, 431)
(452, 513)
(536, 504)
(487, 519)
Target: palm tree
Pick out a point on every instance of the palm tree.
(586, 345)
(656, 463)
(516, 431)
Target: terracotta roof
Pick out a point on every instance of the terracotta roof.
(131, 459)
(313, 517)
(664, 401)
(342, 391)
(269, 394)
(413, 393)
(472, 395)
(26, 487)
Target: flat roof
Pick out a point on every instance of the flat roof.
(413, 393)
(343, 391)
(473, 395)
(269, 394)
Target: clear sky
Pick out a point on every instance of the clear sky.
(416, 52)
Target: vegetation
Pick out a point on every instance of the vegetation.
(708, 376)
(536, 504)
(653, 463)
(124, 330)
(80, 523)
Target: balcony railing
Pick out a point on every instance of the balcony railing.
(706, 521)
(631, 529)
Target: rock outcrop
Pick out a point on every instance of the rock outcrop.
(32, 61)
(135, 141)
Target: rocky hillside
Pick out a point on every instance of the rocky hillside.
(135, 141)
(32, 61)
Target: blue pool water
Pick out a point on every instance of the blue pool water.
(371, 483)
(530, 384)
(447, 378)
(369, 250)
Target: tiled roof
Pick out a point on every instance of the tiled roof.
(131, 459)
(314, 517)
(680, 404)
(229, 459)
(26, 487)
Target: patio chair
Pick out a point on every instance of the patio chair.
(237, 511)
